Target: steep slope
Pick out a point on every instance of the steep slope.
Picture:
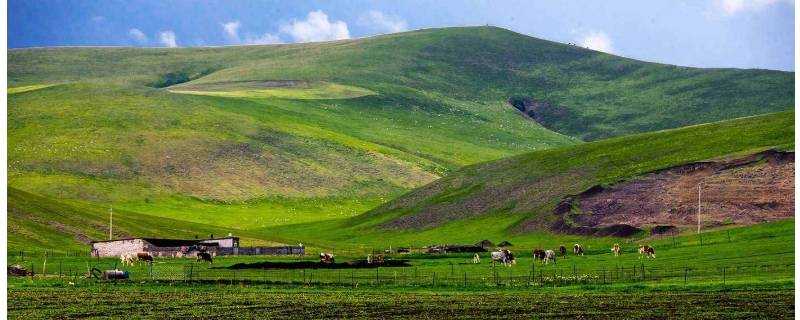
(256, 136)
(519, 195)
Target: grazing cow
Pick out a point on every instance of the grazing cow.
(616, 250)
(538, 254)
(647, 251)
(204, 256)
(325, 257)
(577, 249)
(476, 258)
(549, 255)
(563, 251)
(144, 256)
(128, 259)
(504, 256)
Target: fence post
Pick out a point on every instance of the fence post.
(723, 275)
(465, 278)
(604, 275)
(434, 278)
(452, 270)
(642, 274)
(377, 278)
(685, 275)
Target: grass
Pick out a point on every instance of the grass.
(389, 114)
(513, 198)
(752, 286)
(257, 302)
(37, 223)
(318, 90)
(602, 95)
(27, 88)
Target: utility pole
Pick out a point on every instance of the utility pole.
(698, 206)
(110, 222)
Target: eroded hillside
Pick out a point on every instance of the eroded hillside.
(748, 190)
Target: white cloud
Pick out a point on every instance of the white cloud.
(266, 38)
(167, 38)
(732, 7)
(231, 30)
(382, 22)
(137, 35)
(98, 19)
(597, 40)
(316, 27)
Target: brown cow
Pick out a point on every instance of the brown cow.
(326, 258)
(563, 251)
(647, 251)
(616, 250)
(144, 256)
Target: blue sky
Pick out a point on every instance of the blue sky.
(713, 33)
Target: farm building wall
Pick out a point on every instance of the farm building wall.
(284, 250)
(117, 248)
(227, 242)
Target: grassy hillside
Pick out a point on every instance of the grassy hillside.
(602, 95)
(513, 198)
(258, 136)
(39, 223)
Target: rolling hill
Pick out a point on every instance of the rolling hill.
(257, 136)
(521, 198)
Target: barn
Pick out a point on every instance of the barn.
(186, 248)
(162, 247)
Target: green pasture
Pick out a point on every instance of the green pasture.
(316, 90)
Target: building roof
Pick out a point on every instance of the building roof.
(158, 242)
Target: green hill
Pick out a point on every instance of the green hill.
(514, 198)
(257, 136)
(39, 223)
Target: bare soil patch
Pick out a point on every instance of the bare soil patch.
(754, 189)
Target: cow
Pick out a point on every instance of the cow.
(538, 254)
(504, 256)
(563, 251)
(204, 256)
(616, 250)
(326, 258)
(549, 255)
(144, 256)
(128, 259)
(476, 258)
(647, 251)
(577, 249)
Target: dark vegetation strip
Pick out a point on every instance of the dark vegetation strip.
(249, 303)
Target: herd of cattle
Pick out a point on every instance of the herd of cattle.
(130, 259)
(503, 256)
(506, 257)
